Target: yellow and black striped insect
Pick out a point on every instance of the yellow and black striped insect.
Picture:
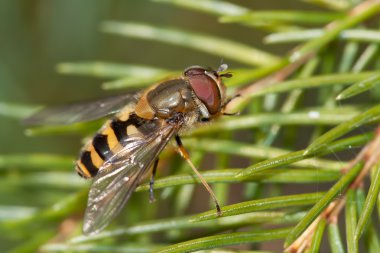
(128, 145)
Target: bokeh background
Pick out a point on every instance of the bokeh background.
(38, 35)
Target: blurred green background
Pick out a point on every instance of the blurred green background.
(38, 35)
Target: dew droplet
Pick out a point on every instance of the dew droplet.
(314, 115)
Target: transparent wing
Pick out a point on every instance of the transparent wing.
(85, 111)
(120, 176)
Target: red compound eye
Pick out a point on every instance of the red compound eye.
(205, 88)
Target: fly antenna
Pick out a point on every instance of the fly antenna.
(222, 67)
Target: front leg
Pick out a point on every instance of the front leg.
(185, 155)
(225, 104)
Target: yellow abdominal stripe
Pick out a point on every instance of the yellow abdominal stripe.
(95, 158)
(111, 137)
(131, 129)
(123, 115)
(82, 169)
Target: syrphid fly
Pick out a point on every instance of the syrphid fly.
(128, 145)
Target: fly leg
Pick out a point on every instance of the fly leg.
(151, 182)
(226, 103)
(185, 155)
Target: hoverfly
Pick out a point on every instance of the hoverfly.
(128, 145)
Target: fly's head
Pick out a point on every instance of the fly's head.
(208, 86)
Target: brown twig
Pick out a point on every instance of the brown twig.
(370, 155)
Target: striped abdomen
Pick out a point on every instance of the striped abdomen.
(111, 139)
